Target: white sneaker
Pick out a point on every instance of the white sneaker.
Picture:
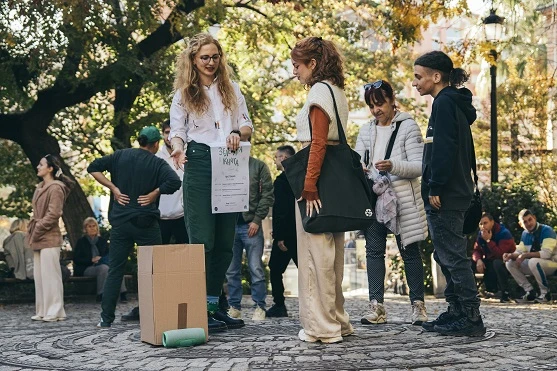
(234, 313)
(377, 314)
(259, 314)
(36, 318)
(312, 339)
(419, 313)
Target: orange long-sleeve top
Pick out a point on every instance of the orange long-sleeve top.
(319, 122)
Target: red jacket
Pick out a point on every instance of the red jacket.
(501, 242)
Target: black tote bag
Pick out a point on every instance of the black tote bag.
(342, 187)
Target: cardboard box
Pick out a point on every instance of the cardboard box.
(172, 293)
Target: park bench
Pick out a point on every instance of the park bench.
(13, 290)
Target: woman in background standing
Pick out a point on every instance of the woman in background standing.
(45, 238)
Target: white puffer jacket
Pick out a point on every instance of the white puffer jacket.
(406, 158)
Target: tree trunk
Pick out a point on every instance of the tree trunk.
(76, 208)
(29, 128)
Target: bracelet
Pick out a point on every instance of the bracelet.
(236, 132)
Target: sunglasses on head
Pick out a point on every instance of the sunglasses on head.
(376, 85)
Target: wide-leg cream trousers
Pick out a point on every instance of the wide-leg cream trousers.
(49, 291)
(320, 273)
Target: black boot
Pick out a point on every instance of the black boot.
(133, 315)
(505, 297)
(230, 322)
(277, 310)
(215, 325)
(471, 324)
(452, 314)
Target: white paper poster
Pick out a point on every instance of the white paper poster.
(230, 183)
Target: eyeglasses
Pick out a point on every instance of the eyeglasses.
(206, 58)
(376, 85)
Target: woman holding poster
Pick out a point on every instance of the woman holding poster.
(207, 108)
(318, 66)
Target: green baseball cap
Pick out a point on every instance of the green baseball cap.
(152, 133)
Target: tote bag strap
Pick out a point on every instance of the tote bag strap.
(392, 141)
(391, 145)
(341, 135)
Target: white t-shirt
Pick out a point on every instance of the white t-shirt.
(381, 142)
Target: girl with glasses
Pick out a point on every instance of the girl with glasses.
(207, 107)
(403, 168)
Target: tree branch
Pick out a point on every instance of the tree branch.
(247, 6)
(51, 100)
(74, 53)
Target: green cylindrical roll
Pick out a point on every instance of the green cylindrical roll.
(186, 337)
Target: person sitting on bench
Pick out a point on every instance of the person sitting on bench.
(91, 257)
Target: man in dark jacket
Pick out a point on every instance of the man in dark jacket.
(447, 188)
(138, 178)
(285, 247)
(492, 242)
(249, 237)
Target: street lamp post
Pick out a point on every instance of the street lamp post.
(494, 155)
(493, 28)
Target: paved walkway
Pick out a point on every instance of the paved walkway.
(520, 337)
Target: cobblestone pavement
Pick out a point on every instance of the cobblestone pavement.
(519, 337)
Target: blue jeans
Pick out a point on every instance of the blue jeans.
(254, 252)
(445, 227)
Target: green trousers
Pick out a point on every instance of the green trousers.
(214, 231)
(122, 241)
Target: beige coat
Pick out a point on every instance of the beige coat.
(18, 255)
(48, 201)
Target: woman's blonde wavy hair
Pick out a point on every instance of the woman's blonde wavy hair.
(187, 81)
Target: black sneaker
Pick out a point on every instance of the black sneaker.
(230, 322)
(528, 297)
(505, 297)
(123, 297)
(103, 325)
(470, 324)
(462, 327)
(452, 314)
(214, 325)
(277, 310)
(543, 299)
(133, 315)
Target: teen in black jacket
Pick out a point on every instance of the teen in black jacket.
(447, 188)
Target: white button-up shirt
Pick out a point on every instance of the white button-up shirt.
(215, 124)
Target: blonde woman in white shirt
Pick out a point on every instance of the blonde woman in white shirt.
(207, 107)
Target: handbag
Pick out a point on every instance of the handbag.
(473, 215)
(367, 159)
(342, 186)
